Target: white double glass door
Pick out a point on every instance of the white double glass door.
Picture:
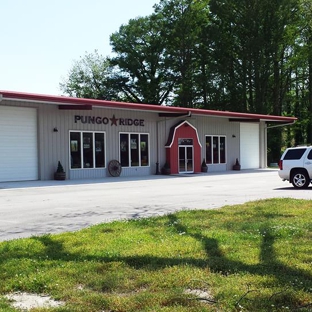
(186, 162)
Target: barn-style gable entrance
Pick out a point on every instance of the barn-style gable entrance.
(183, 149)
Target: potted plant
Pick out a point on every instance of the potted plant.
(204, 167)
(166, 168)
(237, 165)
(59, 174)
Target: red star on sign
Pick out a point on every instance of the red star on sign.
(114, 120)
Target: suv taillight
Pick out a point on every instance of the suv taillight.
(280, 164)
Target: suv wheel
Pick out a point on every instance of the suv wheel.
(300, 179)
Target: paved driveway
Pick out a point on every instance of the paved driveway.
(33, 208)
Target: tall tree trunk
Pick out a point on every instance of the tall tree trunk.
(309, 126)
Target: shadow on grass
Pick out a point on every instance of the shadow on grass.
(268, 263)
(216, 260)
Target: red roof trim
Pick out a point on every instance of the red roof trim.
(65, 100)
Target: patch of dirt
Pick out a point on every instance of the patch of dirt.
(201, 295)
(26, 301)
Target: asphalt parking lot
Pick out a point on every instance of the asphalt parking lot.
(38, 207)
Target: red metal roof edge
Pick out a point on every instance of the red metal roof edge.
(65, 100)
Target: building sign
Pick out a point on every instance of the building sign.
(185, 141)
(112, 121)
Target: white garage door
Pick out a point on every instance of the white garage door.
(18, 144)
(249, 146)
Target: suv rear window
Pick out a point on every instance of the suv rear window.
(295, 153)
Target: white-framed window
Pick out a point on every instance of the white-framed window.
(87, 149)
(215, 149)
(134, 149)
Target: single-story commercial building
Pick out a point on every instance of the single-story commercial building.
(98, 138)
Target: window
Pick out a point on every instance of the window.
(295, 153)
(215, 149)
(134, 149)
(87, 149)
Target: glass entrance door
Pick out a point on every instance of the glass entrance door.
(186, 159)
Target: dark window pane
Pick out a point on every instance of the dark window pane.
(182, 158)
(75, 150)
(124, 150)
(134, 144)
(222, 150)
(208, 150)
(189, 159)
(99, 150)
(87, 150)
(215, 150)
(144, 150)
(295, 153)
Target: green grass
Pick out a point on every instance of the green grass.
(251, 257)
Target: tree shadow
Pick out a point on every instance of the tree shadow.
(215, 259)
(268, 262)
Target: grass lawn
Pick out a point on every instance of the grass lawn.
(251, 257)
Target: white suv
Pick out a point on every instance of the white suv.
(296, 166)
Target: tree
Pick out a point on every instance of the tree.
(183, 22)
(304, 47)
(90, 77)
(253, 47)
(248, 55)
(141, 71)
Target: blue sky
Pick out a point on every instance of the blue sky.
(41, 39)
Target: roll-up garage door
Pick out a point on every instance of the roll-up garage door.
(18, 144)
(249, 145)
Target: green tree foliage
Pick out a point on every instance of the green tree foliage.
(183, 25)
(247, 55)
(250, 45)
(141, 71)
(90, 77)
(302, 82)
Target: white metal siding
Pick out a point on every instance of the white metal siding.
(249, 146)
(18, 144)
(54, 146)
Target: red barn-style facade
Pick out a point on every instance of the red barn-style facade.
(183, 149)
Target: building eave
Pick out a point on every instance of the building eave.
(82, 103)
